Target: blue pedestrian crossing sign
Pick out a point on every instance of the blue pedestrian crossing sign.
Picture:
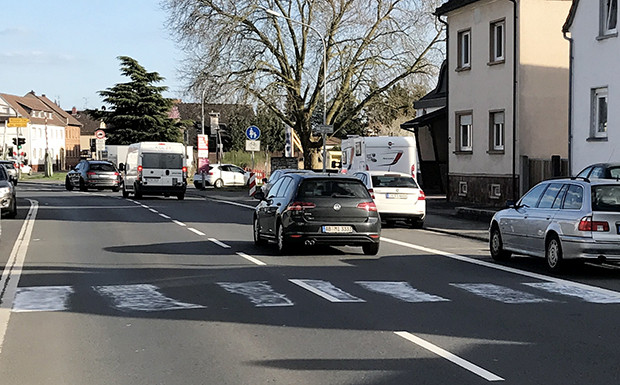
(252, 133)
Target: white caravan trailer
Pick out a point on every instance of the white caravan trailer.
(380, 153)
(155, 168)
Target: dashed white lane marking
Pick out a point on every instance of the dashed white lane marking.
(449, 356)
(400, 290)
(142, 297)
(326, 290)
(221, 244)
(44, 298)
(251, 259)
(260, 293)
(12, 271)
(193, 230)
(164, 216)
(154, 211)
(500, 293)
(593, 296)
(179, 223)
(507, 269)
(234, 204)
(145, 206)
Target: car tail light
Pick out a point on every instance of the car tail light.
(90, 173)
(368, 206)
(413, 171)
(140, 168)
(422, 196)
(300, 206)
(587, 224)
(372, 193)
(184, 169)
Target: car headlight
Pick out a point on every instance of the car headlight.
(5, 190)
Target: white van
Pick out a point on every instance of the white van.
(379, 153)
(154, 168)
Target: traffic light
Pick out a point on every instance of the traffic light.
(20, 142)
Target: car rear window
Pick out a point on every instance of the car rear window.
(154, 160)
(101, 167)
(605, 198)
(8, 165)
(332, 188)
(393, 181)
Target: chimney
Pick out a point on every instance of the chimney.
(74, 111)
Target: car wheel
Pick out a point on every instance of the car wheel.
(14, 182)
(390, 223)
(258, 240)
(13, 210)
(115, 189)
(553, 254)
(136, 192)
(281, 242)
(497, 246)
(83, 185)
(181, 196)
(68, 185)
(125, 192)
(218, 183)
(370, 248)
(416, 223)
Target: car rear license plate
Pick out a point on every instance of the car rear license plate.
(337, 229)
(396, 196)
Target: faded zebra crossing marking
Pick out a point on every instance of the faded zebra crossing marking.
(260, 293)
(500, 293)
(400, 290)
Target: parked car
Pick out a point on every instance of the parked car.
(559, 220)
(25, 169)
(277, 174)
(309, 209)
(397, 196)
(99, 174)
(601, 171)
(220, 175)
(11, 169)
(8, 199)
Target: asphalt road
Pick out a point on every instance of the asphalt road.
(97, 289)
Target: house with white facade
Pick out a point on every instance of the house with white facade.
(507, 95)
(45, 130)
(592, 28)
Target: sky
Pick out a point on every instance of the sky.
(68, 50)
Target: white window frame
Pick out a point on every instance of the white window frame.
(498, 124)
(464, 49)
(498, 27)
(465, 122)
(609, 17)
(598, 127)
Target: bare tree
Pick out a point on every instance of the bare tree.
(238, 51)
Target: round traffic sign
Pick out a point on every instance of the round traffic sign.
(252, 133)
(100, 134)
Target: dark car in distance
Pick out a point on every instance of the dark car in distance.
(99, 174)
(308, 209)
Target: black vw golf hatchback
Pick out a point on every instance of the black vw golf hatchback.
(309, 209)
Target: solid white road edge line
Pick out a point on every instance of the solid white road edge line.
(222, 244)
(251, 259)
(193, 230)
(500, 267)
(13, 269)
(449, 356)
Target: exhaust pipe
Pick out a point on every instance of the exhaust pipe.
(309, 242)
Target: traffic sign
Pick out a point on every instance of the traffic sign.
(18, 122)
(252, 133)
(100, 134)
(252, 145)
(99, 144)
(323, 129)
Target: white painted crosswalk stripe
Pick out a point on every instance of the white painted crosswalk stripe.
(500, 293)
(141, 298)
(400, 290)
(260, 293)
(43, 298)
(586, 294)
(326, 290)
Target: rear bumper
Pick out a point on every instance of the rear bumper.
(162, 190)
(589, 249)
(109, 183)
(363, 233)
(416, 216)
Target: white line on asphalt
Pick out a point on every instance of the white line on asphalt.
(153, 211)
(193, 230)
(145, 206)
(42, 298)
(222, 244)
(260, 293)
(500, 293)
(400, 290)
(507, 269)
(586, 295)
(251, 259)
(449, 356)
(326, 290)
(12, 270)
(179, 223)
(235, 204)
(164, 216)
(141, 297)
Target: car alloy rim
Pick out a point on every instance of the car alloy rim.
(495, 242)
(280, 238)
(553, 254)
(256, 229)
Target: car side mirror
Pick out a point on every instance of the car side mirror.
(121, 167)
(259, 195)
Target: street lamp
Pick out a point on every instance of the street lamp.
(278, 14)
